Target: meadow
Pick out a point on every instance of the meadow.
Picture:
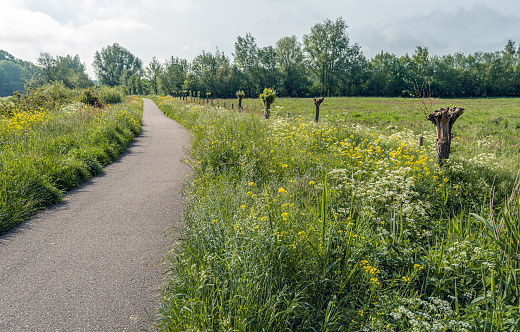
(346, 224)
(51, 143)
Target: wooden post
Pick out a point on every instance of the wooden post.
(420, 141)
(443, 120)
(317, 103)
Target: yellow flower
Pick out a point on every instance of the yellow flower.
(252, 184)
(312, 182)
(282, 190)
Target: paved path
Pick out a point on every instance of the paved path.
(91, 262)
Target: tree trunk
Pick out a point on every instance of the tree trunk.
(317, 103)
(443, 120)
(239, 104)
(267, 111)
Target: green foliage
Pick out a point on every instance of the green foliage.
(49, 96)
(115, 62)
(89, 97)
(240, 94)
(330, 54)
(111, 95)
(103, 95)
(269, 96)
(15, 74)
(68, 70)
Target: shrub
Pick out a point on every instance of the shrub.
(89, 97)
(111, 95)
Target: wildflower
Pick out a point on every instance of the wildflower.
(312, 182)
(243, 207)
(252, 184)
(282, 190)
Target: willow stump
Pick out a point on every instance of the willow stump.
(317, 103)
(443, 120)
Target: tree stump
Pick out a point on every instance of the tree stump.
(317, 103)
(443, 120)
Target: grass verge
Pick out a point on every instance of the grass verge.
(298, 226)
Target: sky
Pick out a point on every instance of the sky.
(184, 28)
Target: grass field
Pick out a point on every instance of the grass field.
(346, 225)
(45, 152)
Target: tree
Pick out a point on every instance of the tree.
(173, 75)
(15, 74)
(291, 66)
(247, 60)
(329, 52)
(267, 61)
(152, 73)
(267, 98)
(205, 70)
(67, 69)
(114, 61)
(10, 78)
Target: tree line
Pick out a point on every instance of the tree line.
(323, 63)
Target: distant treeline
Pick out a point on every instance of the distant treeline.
(324, 63)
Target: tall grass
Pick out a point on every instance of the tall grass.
(297, 226)
(45, 152)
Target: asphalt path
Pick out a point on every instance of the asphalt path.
(91, 263)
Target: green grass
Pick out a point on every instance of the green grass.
(493, 122)
(45, 152)
(345, 225)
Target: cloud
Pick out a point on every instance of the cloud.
(26, 32)
(467, 30)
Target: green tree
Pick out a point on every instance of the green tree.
(113, 62)
(267, 67)
(67, 69)
(291, 66)
(247, 60)
(173, 75)
(330, 54)
(152, 73)
(10, 78)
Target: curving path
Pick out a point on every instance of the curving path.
(91, 263)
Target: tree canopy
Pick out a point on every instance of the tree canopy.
(115, 64)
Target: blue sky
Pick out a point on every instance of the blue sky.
(184, 28)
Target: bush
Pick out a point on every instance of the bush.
(111, 95)
(89, 97)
